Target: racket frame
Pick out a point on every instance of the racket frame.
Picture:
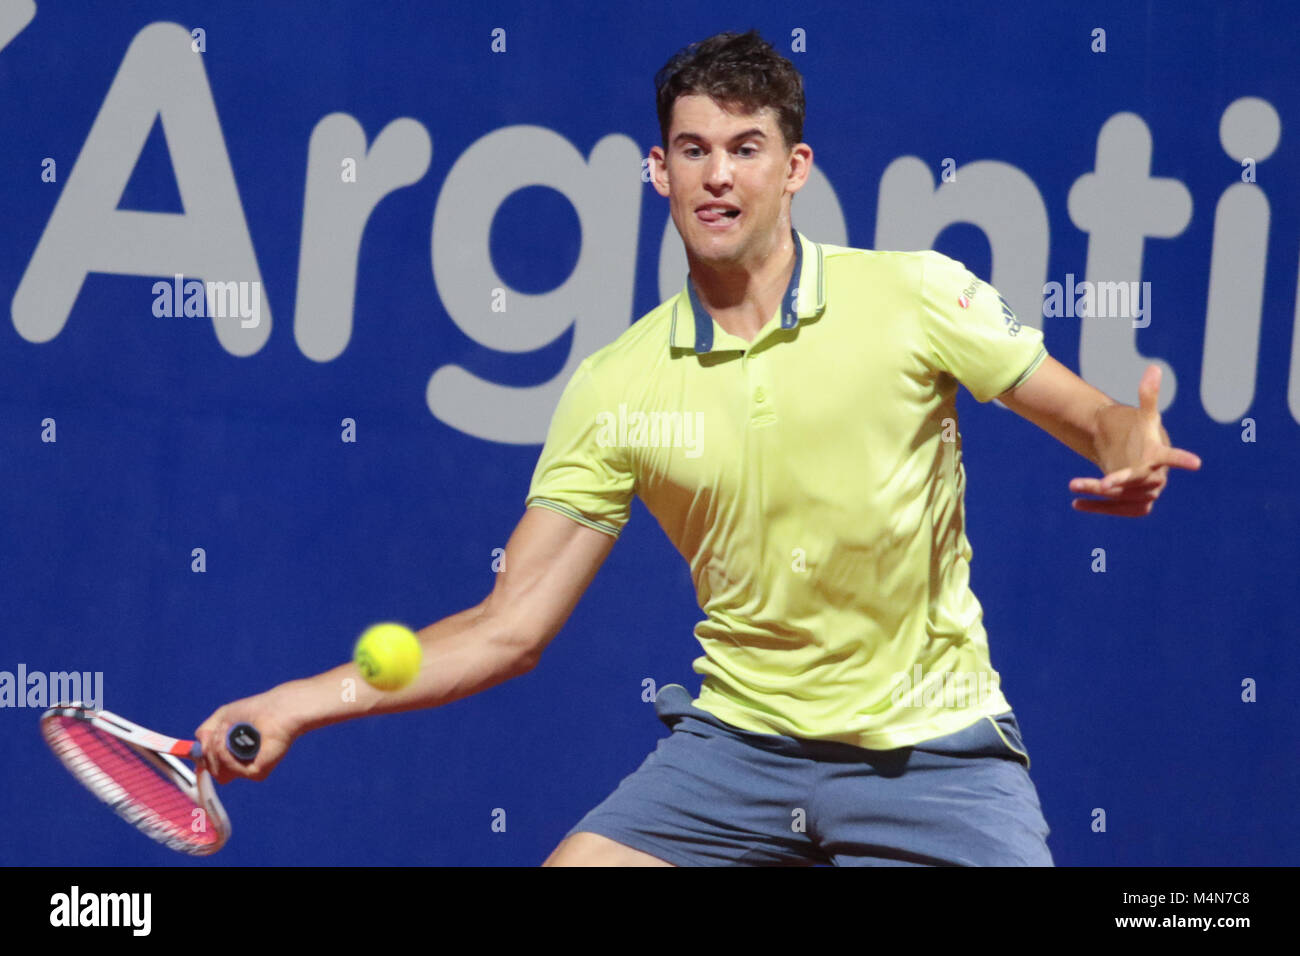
(164, 754)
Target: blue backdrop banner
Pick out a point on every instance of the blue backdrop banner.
(293, 289)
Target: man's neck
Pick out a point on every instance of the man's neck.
(744, 299)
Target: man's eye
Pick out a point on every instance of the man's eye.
(751, 149)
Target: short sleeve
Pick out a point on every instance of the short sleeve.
(580, 473)
(972, 332)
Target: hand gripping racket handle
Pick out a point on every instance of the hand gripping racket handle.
(243, 741)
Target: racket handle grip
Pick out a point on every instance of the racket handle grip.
(243, 741)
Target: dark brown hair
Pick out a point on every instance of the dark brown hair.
(739, 71)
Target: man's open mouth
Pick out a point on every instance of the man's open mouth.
(717, 214)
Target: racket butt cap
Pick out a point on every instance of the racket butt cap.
(243, 741)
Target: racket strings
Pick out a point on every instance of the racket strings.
(137, 790)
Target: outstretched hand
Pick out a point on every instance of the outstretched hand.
(1135, 456)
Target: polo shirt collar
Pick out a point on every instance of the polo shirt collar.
(692, 326)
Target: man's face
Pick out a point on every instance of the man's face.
(718, 161)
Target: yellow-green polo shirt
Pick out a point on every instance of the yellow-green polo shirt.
(813, 481)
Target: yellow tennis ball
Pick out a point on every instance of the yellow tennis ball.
(388, 655)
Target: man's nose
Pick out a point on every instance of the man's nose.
(719, 171)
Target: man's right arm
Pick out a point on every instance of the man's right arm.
(550, 560)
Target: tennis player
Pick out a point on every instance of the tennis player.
(789, 419)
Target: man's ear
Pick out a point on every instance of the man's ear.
(801, 153)
(659, 171)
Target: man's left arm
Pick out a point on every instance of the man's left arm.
(1128, 445)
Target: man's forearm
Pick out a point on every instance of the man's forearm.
(1079, 430)
(1064, 406)
(463, 654)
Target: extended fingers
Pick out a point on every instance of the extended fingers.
(1149, 390)
(1180, 458)
(1121, 482)
(1116, 480)
(1125, 509)
(1130, 486)
(1128, 494)
(1090, 486)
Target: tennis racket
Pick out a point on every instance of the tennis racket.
(140, 775)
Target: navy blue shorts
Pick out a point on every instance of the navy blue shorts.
(712, 794)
